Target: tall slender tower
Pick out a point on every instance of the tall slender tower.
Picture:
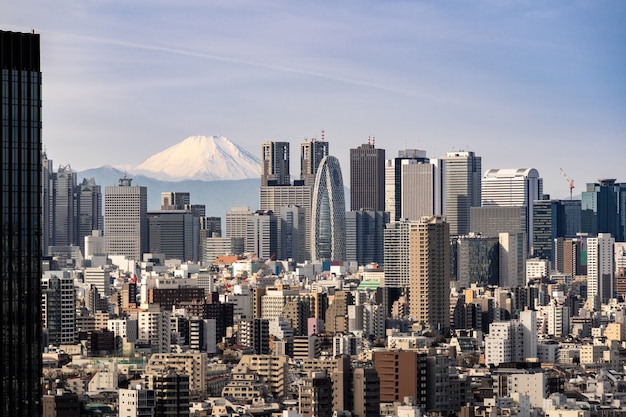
(429, 271)
(311, 154)
(21, 214)
(275, 168)
(126, 219)
(88, 210)
(328, 214)
(63, 207)
(600, 268)
(462, 189)
(46, 206)
(367, 178)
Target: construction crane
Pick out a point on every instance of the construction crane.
(569, 181)
(261, 272)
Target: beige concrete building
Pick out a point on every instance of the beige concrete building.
(429, 269)
(192, 364)
(273, 371)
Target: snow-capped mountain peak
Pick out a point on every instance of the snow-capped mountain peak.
(208, 158)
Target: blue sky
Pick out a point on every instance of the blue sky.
(521, 83)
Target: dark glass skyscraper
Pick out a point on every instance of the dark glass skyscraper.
(20, 208)
(553, 219)
(367, 178)
(603, 209)
(311, 154)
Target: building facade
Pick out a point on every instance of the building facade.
(513, 188)
(328, 213)
(367, 178)
(21, 214)
(429, 271)
(462, 189)
(604, 209)
(365, 236)
(275, 163)
(126, 219)
(311, 154)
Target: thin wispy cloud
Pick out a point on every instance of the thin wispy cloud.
(486, 75)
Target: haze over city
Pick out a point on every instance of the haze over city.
(523, 84)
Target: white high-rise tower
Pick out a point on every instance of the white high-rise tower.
(125, 219)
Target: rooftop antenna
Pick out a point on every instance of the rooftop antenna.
(369, 140)
(373, 140)
(322, 135)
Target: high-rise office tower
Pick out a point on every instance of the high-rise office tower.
(21, 214)
(274, 198)
(475, 259)
(276, 189)
(88, 210)
(175, 200)
(600, 268)
(293, 233)
(262, 234)
(365, 236)
(173, 233)
(275, 163)
(462, 189)
(311, 154)
(513, 188)
(237, 222)
(62, 204)
(328, 213)
(126, 219)
(367, 178)
(421, 189)
(604, 209)
(429, 271)
(553, 219)
(394, 180)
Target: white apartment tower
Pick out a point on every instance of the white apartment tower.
(396, 245)
(125, 219)
(600, 268)
(512, 341)
(154, 326)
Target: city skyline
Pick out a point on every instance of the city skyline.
(520, 84)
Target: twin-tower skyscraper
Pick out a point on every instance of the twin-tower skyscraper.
(311, 209)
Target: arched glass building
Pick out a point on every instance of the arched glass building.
(328, 214)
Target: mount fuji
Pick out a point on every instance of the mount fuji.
(205, 158)
(215, 171)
